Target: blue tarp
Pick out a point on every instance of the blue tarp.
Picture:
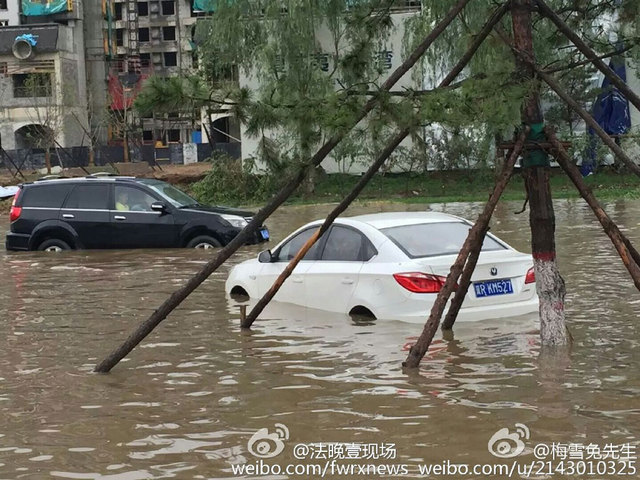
(49, 7)
(611, 111)
(28, 37)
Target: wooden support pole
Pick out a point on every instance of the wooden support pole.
(464, 283)
(146, 327)
(610, 228)
(475, 238)
(341, 207)
(373, 169)
(589, 53)
(549, 283)
(589, 120)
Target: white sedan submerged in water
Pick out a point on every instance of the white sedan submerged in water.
(391, 266)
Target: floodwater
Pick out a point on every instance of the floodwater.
(187, 402)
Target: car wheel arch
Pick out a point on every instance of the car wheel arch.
(361, 310)
(53, 231)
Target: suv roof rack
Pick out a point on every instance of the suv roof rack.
(102, 174)
(50, 177)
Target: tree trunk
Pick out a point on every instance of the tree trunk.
(47, 160)
(549, 282)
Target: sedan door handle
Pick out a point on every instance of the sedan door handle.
(347, 281)
(67, 215)
(120, 217)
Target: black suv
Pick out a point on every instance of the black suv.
(117, 212)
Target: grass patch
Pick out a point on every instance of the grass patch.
(436, 187)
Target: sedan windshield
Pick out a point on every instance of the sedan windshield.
(176, 197)
(430, 239)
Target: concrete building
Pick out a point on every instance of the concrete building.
(160, 33)
(43, 87)
(9, 13)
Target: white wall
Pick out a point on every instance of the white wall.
(394, 44)
(11, 15)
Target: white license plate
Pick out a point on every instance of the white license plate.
(493, 287)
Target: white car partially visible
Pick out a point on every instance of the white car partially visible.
(391, 266)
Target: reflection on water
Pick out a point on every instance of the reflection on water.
(186, 402)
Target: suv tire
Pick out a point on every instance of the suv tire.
(204, 242)
(53, 245)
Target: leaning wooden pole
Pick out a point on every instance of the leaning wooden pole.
(549, 283)
(464, 283)
(610, 228)
(588, 52)
(341, 207)
(474, 240)
(589, 120)
(455, 71)
(247, 233)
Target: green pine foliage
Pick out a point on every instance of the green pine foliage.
(298, 95)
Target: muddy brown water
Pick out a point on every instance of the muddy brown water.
(186, 402)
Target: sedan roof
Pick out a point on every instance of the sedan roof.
(397, 219)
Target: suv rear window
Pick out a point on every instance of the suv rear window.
(89, 197)
(45, 196)
(430, 239)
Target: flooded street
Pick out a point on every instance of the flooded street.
(187, 401)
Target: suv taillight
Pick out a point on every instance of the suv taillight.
(417, 282)
(531, 276)
(15, 212)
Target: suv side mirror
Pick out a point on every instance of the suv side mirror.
(265, 256)
(159, 207)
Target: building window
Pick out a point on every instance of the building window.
(147, 136)
(145, 59)
(173, 135)
(169, 33)
(3, 4)
(170, 59)
(118, 11)
(119, 37)
(26, 85)
(143, 9)
(143, 35)
(4, 23)
(169, 7)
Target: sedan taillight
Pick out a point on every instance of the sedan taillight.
(531, 276)
(15, 212)
(417, 282)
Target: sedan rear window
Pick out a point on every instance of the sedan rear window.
(430, 239)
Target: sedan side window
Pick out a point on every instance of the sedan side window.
(133, 199)
(293, 246)
(346, 245)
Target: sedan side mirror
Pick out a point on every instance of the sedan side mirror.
(265, 256)
(159, 207)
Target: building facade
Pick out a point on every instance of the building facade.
(43, 87)
(9, 13)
